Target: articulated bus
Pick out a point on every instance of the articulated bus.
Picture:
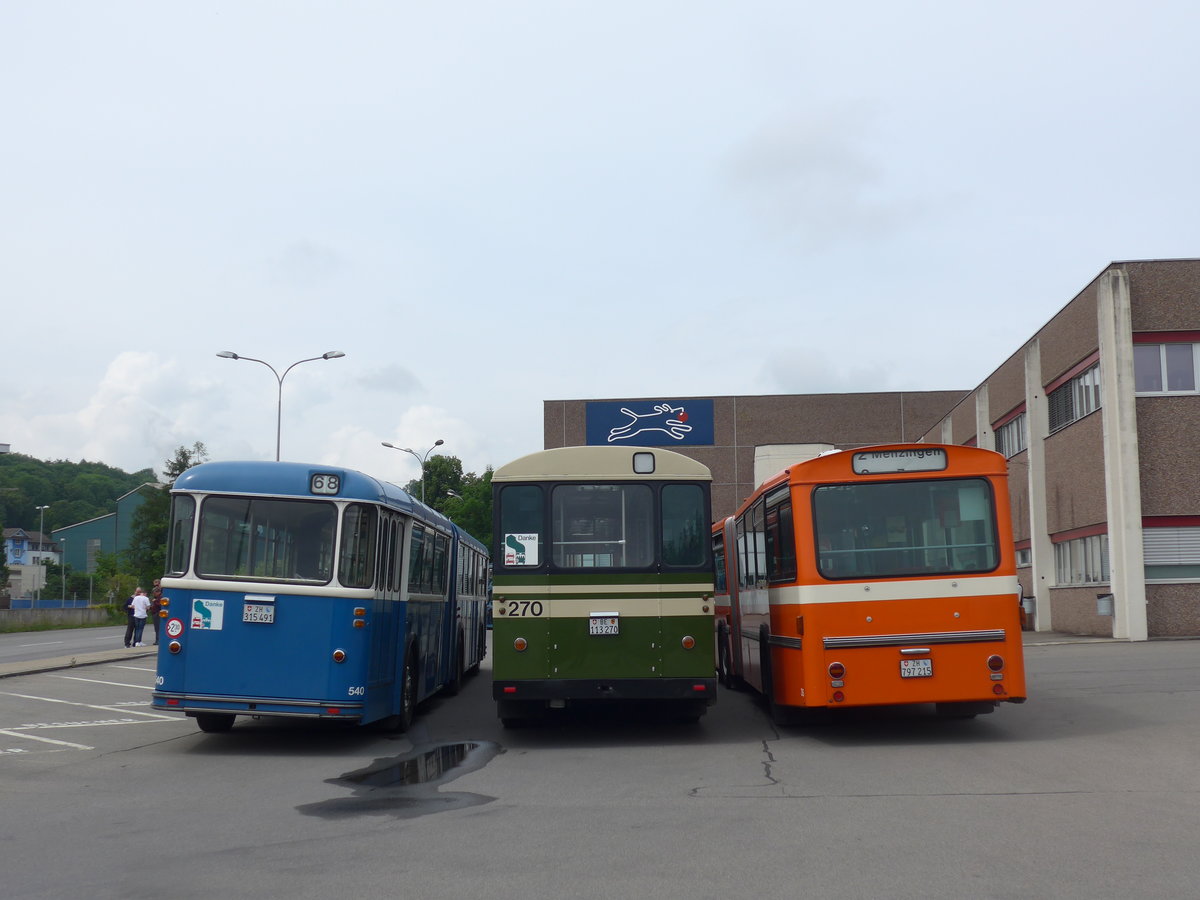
(313, 591)
(602, 582)
(873, 577)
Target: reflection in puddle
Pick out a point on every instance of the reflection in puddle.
(406, 787)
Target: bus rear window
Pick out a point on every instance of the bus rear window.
(602, 526)
(257, 539)
(905, 529)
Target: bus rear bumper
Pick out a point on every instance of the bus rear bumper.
(567, 689)
(191, 704)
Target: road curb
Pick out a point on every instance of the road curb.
(34, 666)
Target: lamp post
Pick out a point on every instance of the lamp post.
(229, 354)
(41, 541)
(419, 458)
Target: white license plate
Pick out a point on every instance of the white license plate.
(258, 612)
(916, 668)
(604, 625)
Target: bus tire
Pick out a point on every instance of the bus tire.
(724, 676)
(966, 710)
(780, 714)
(215, 723)
(513, 713)
(455, 683)
(408, 693)
(479, 649)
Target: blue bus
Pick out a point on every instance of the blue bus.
(313, 591)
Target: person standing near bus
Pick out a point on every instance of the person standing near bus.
(130, 622)
(141, 609)
(156, 605)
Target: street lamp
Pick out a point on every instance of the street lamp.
(229, 354)
(41, 544)
(419, 458)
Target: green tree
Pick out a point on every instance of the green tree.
(465, 499)
(442, 475)
(146, 556)
(472, 509)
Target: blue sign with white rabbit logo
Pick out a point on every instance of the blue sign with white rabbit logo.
(650, 423)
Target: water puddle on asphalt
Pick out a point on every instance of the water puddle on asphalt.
(406, 787)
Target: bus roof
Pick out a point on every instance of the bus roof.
(607, 463)
(291, 479)
(888, 461)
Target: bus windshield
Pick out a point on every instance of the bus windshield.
(258, 539)
(905, 529)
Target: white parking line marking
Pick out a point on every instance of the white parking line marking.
(91, 706)
(140, 687)
(44, 644)
(135, 668)
(34, 737)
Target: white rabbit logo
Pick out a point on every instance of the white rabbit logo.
(671, 421)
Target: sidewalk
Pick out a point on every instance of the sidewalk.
(1046, 638)
(33, 666)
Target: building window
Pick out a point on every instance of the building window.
(1081, 561)
(1165, 368)
(1024, 558)
(1171, 553)
(1012, 437)
(1075, 399)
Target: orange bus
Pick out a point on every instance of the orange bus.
(873, 577)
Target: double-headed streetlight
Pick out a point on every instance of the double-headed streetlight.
(229, 354)
(419, 458)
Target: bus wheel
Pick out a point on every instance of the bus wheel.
(214, 723)
(408, 694)
(479, 649)
(723, 675)
(454, 685)
(967, 710)
(513, 713)
(779, 714)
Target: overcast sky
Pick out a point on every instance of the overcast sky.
(486, 205)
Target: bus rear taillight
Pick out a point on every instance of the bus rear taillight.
(520, 645)
(174, 646)
(837, 670)
(996, 663)
(688, 642)
(339, 655)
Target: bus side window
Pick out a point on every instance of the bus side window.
(356, 567)
(719, 563)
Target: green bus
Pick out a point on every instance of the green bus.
(602, 582)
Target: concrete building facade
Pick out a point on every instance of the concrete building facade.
(1098, 414)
